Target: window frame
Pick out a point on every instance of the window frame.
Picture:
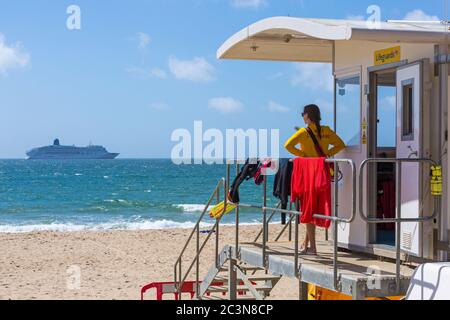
(409, 136)
(344, 74)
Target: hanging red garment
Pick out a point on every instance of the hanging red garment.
(311, 185)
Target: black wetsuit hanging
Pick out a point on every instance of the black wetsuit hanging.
(248, 171)
(282, 185)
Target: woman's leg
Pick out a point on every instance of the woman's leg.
(305, 243)
(311, 235)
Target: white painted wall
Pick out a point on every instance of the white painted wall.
(360, 54)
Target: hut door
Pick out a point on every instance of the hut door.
(409, 135)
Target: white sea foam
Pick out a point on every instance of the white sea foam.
(109, 226)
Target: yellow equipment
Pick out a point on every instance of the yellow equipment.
(217, 212)
(436, 180)
(317, 293)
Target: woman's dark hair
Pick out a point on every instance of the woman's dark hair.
(313, 112)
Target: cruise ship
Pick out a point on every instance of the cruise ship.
(57, 151)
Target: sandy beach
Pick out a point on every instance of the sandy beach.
(112, 265)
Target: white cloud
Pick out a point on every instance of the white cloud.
(159, 106)
(12, 56)
(252, 4)
(315, 76)
(225, 105)
(419, 15)
(159, 73)
(196, 70)
(144, 40)
(277, 108)
(146, 74)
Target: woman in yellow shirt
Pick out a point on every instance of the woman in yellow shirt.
(326, 138)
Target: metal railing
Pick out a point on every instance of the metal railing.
(398, 190)
(179, 279)
(268, 221)
(295, 214)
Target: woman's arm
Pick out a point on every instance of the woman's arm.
(337, 143)
(291, 144)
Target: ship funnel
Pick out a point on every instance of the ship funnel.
(56, 142)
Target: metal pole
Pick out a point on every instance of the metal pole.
(296, 244)
(237, 251)
(336, 225)
(398, 195)
(197, 271)
(217, 232)
(232, 279)
(175, 276)
(265, 205)
(268, 219)
(264, 223)
(179, 282)
(290, 223)
(217, 245)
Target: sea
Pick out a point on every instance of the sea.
(102, 195)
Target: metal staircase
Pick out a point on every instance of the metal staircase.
(228, 278)
(239, 281)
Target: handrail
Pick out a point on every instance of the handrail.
(398, 220)
(219, 184)
(398, 161)
(268, 221)
(177, 267)
(335, 219)
(298, 213)
(288, 224)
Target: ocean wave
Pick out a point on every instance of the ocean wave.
(115, 205)
(108, 226)
(191, 207)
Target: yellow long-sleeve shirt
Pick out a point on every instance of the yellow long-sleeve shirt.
(307, 147)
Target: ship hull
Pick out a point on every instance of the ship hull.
(59, 152)
(109, 156)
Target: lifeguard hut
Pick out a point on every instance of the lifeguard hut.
(391, 205)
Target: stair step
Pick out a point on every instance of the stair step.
(243, 268)
(213, 289)
(255, 278)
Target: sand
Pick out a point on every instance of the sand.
(104, 265)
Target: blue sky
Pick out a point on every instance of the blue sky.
(139, 69)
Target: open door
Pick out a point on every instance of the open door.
(409, 145)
